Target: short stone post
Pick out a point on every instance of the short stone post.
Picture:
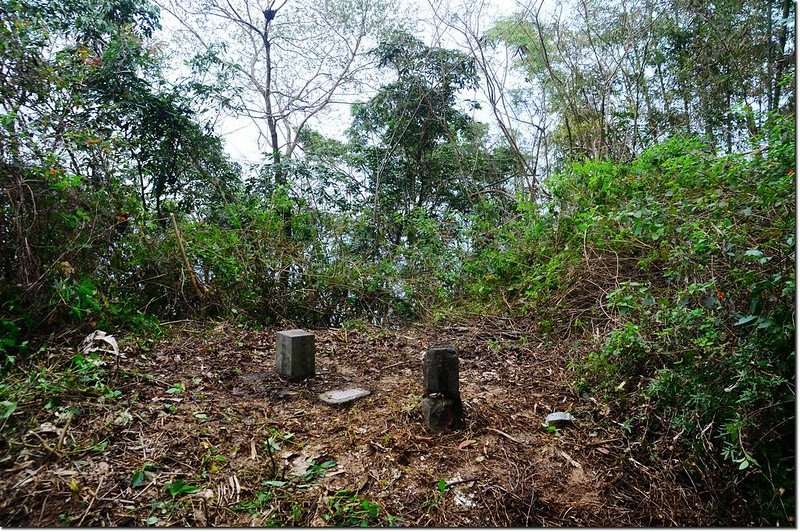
(441, 403)
(295, 352)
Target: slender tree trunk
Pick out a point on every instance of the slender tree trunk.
(604, 150)
(272, 124)
(787, 5)
(769, 55)
(198, 292)
(729, 128)
(142, 192)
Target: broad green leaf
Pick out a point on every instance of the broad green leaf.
(179, 487)
(99, 447)
(746, 320)
(176, 388)
(6, 409)
(274, 483)
(137, 479)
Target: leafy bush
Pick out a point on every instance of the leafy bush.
(685, 259)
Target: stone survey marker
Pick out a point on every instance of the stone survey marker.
(560, 419)
(441, 403)
(295, 351)
(340, 397)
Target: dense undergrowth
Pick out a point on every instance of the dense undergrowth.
(680, 268)
(675, 274)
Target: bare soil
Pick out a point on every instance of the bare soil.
(503, 469)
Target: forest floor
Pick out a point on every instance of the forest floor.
(195, 454)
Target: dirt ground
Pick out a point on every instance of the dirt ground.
(372, 461)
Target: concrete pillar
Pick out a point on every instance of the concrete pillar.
(441, 403)
(295, 352)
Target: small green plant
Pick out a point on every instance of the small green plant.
(10, 343)
(277, 438)
(549, 428)
(139, 476)
(439, 495)
(212, 462)
(79, 296)
(6, 409)
(346, 509)
(165, 508)
(262, 498)
(274, 483)
(179, 487)
(733, 449)
(177, 388)
(273, 444)
(317, 470)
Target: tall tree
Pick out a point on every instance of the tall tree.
(521, 117)
(291, 60)
(86, 124)
(621, 75)
(419, 151)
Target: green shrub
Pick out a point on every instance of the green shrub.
(688, 257)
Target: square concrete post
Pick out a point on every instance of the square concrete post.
(295, 352)
(440, 371)
(441, 403)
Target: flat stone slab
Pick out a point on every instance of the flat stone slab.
(339, 397)
(559, 419)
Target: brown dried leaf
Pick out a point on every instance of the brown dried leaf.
(464, 444)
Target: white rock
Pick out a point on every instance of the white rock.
(338, 397)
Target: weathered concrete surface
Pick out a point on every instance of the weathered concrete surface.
(295, 352)
(339, 397)
(559, 419)
(440, 371)
(442, 413)
(441, 404)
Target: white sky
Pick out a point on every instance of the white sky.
(241, 136)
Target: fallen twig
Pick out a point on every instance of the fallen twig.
(47, 447)
(601, 442)
(94, 498)
(569, 459)
(510, 437)
(63, 433)
(457, 482)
